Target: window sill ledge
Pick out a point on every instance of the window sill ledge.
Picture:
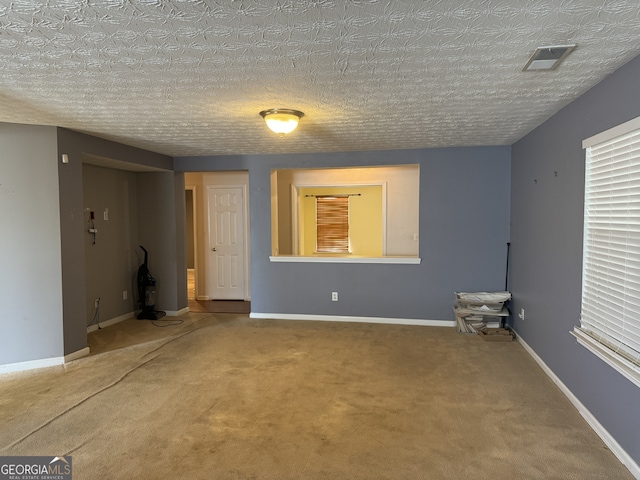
(617, 362)
(344, 259)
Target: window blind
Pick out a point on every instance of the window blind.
(610, 311)
(332, 224)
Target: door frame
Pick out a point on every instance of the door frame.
(245, 234)
(297, 234)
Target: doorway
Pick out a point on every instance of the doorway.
(226, 242)
(219, 234)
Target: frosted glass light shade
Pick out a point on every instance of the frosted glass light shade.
(282, 120)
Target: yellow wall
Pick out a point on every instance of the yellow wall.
(365, 218)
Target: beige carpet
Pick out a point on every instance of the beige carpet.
(227, 397)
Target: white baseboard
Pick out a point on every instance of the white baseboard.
(127, 316)
(83, 352)
(43, 362)
(202, 298)
(111, 321)
(176, 313)
(597, 427)
(31, 365)
(340, 318)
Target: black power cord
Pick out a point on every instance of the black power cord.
(172, 324)
(96, 315)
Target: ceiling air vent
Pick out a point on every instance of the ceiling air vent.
(548, 58)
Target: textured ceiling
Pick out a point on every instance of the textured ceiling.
(189, 77)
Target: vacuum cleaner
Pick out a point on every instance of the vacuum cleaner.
(147, 292)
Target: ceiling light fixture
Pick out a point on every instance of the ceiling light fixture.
(548, 58)
(282, 120)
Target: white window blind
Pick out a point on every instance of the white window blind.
(332, 224)
(611, 258)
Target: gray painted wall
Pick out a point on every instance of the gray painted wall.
(72, 223)
(464, 229)
(161, 227)
(30, 277)
(546, 235)
(142, 211)
(111, 263)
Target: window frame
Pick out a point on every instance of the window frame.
(296, 231)
(324, 242)
(401, 190)
(592, 333)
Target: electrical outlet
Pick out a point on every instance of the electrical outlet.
(334, 296)
(125, 294)
(96, 302)
(521, 314)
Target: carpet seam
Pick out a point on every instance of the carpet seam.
(61, 414)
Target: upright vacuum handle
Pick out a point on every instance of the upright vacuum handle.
(145, 254)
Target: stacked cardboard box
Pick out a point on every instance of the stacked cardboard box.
(496, 334)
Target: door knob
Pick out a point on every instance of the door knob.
(214, 249)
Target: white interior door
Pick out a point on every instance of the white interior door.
(226, 243)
